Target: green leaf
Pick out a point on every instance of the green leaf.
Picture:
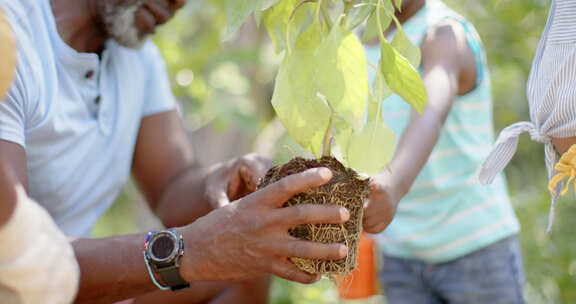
(276, 20)
(358, 15)
(237, 11)
(405, 47)
(380, 88)
(263, 6)
(372, 28)
(343, 132)
(342, 76)
(304, 115)
(402, 78)
(374, 109)
(372, 148)
(266, 4)
(387, 4)
(258, 17)
(398, 4)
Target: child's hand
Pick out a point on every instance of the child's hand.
(381, 208)
(235, 179)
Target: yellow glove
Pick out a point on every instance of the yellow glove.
(566, 167)
(7, 55)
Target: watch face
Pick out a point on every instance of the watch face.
(162, 247)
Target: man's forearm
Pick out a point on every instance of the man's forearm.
(184, 199)
(111, 269)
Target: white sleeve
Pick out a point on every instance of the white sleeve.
(37, 264)
(21, 102)
(13, 113)
(159, 97)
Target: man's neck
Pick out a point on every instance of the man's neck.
(77, 25)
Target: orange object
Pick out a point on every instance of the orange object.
(361, 283)
(7, 55)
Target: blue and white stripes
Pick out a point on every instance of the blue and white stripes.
(448, 213)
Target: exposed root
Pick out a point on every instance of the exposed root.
(345, 189)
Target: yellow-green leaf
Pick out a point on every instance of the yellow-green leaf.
(237, 11)
(374, 109)
(402, 78)
(405, 47)
(358, 15)
(276, 20)
(380, 88)
(304, 115)
(398, 4)
(343, 132)
(342, 76)
(266, 4)
(372, 28)
(372, 148)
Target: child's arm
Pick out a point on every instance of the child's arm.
(448, 70)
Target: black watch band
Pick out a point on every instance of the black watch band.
(162, 253)
(171, 277)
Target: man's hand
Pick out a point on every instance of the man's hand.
(235, 179)
(382, 203)
(249, 237)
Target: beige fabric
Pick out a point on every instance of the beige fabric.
(37, 264)
(7, 55)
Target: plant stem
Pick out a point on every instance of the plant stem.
(379, 22)
(288, 26)
(298, 6)
(327, 142)
(326, 16)
(347, 6)
(317, 12)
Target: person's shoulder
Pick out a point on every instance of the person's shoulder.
(446, 33)
(447, 38)
(143, 59)
(150, 53)
(21, 15)
(24, 18)
(147, 52)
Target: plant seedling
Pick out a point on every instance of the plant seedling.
(323, 98)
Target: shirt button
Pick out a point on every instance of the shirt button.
(89, 74)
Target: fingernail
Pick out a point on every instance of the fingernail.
(344, 214)
(343, 251)
(325, 173)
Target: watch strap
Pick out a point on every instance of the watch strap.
(171, 277)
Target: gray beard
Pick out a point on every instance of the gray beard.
(119, 24)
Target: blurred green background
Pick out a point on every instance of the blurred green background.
(225, 89)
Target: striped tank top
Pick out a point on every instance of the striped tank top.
(448, 213)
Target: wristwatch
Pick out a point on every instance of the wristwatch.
(162, 253)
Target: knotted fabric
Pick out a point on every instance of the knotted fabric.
(551, 93)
